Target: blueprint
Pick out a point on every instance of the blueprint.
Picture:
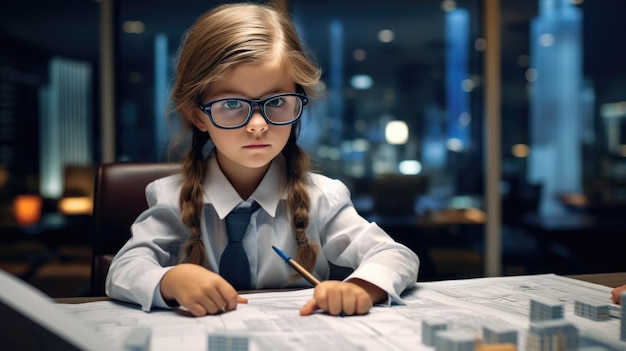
(271, 320)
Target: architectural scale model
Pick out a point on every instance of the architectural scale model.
(499, 334)
(548, 330)
(228, 342)
(545, 309)
(591, 309)
(552, 335)
(455, 340)
(429, 328)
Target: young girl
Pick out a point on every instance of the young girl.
(242, 81)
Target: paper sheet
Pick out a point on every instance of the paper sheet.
(272, 320)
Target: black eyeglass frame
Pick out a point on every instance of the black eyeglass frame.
(206, 108)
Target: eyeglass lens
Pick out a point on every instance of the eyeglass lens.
(234, 112)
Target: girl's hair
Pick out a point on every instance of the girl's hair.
(221, 39)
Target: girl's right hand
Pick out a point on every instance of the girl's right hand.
(199, 290)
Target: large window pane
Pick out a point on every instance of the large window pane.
(402, 119)
(562, 138)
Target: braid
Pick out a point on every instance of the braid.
(191, 197)
(297, 163)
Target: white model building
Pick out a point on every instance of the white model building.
(552, 335)
(455, 340)
(545, 309)
(228, 342)
(429, 327)
(591, 309)
(501, 333)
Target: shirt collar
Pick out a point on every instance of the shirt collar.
(221, 194)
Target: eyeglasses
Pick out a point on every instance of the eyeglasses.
(233, 113)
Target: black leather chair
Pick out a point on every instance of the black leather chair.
(119, 197)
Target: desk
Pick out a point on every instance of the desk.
(53, 232)
(54, 228)
(586, 243)
(612, 280)
(273, 320)
(433, 234)
(452, 216)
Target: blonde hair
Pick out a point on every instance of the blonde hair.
(219, 40)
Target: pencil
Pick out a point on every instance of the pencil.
(296, 266)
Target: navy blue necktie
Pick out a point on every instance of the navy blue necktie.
(234, 265)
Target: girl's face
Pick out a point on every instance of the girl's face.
(252, 147)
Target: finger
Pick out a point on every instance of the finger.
(363, 305)
(309, 308)
(349, 304)
(196, 309)
(335, 303)
(228, 295)
(321, 298)
(241, 299)
(213, 306)
(214, 301)
(198, 305)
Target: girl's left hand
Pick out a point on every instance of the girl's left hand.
(354, 297)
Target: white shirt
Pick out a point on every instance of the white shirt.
(346, 239)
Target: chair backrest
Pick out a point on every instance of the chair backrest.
(119, 197)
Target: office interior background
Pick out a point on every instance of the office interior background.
(405, 123)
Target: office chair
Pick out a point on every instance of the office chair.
(119, 197)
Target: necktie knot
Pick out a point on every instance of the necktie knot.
(237, 222)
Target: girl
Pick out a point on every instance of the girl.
(242, 81)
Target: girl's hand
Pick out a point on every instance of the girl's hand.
(344, 298)
(199, 290)
(616, 293)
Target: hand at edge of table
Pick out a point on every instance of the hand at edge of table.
(616, 293)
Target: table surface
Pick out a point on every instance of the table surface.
(611, 280)
(387, 328)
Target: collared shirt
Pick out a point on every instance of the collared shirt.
(346, 239)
